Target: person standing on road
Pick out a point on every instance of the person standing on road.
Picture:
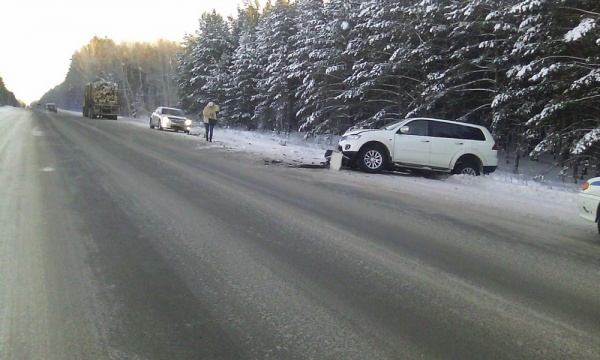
(210, 119)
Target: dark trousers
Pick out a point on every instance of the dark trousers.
(209, 126)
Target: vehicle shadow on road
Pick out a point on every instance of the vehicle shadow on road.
(405, 173)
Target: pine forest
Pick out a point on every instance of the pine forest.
(529, 70)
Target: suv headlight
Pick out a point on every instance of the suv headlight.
(351, 137)
(188, 122)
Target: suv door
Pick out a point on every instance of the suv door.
(449, 140)
(413, 146)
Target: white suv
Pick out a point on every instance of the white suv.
(422, 143)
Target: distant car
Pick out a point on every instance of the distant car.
(588, 200)
(422, 143)
(51, 107)
(170, 118)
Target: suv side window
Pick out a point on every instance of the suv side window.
(471, 133)
(418, 128)
(456, 131)
(446, 130)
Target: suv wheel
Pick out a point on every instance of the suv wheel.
(467, 168)
(372, 159)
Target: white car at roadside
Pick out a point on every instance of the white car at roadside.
(422, 143)
(588, 200)
(170, 118)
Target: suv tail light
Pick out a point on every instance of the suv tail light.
(495, 147)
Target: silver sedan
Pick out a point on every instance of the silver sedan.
(170, 118)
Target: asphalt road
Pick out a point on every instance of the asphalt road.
(121, 242)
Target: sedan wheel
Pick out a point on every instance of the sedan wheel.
(372, 159)
(151, 126)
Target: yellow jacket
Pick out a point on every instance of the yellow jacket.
(210, 112)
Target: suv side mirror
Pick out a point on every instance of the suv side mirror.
(404, 129)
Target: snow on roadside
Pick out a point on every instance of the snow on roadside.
(507, 191)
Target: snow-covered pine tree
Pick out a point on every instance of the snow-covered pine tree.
(204, 63)
(522, 66)
(385, 72)
(478, 37)
(583, 94)
(243, 70)
(241, 90)
(505, 126)
(302, 69)
(334, 64)
(428, 19)
(526, 93)
(551, 65)
(186, 78)
(275, 91)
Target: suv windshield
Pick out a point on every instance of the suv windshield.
(392, 124)
(174, 112)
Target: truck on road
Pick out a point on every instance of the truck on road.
(101, 99)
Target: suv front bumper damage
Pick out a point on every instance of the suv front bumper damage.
(347, 157)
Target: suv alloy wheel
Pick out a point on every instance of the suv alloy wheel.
(467, 168)
(372, 159)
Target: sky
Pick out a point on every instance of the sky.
(38, 37)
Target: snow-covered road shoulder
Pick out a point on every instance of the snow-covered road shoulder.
(519, 194)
